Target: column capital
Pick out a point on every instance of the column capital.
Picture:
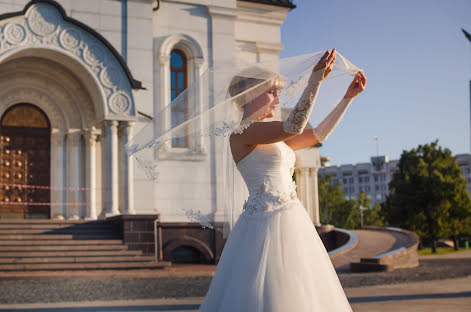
(111, 127)
(126, 124)
(57, 138)
(111, 123)
(90, 138)
(74, 138)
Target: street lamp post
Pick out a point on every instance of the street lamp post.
(468, 36)
(326, 213)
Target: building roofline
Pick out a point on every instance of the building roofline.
(283, 3)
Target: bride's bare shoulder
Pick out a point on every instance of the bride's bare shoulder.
(238, 148)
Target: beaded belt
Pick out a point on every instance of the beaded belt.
(263, 203)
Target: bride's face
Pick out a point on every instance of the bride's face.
(268, 101)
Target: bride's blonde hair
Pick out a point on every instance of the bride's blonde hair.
(250, 83)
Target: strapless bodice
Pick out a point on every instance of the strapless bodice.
(267, 170)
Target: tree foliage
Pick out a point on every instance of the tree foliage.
(428, 195)
(342, 212)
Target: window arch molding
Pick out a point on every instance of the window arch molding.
(195, 61)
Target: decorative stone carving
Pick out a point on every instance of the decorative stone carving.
(70, 39)
(119, 102)
(60, 85)
(110, 77)
(43, 25)
(93, 54)
(14, 33)
(43, 19)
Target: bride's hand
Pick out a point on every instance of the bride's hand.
(327, 61)
(357, 86)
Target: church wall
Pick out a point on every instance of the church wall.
(258, 34)
(140, 52)
(223, 32)
(192, 21)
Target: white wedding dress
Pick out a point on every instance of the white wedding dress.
(273, 259)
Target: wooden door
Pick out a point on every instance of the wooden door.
(25, 163)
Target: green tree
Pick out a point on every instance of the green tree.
(373, 216)
(342, 213)
(428, 194)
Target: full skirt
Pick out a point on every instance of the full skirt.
(274, 263)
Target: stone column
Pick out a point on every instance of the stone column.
(74, 172)
(57, 175)
(315, 197)
(90, 173)
(112, 163)
(303, 187)
(307, 164)
(128, 205)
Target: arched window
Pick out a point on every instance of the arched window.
(178, 77)
(180, 63)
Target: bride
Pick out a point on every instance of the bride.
(273, 259)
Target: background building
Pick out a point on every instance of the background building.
(464, 162)
(374, 177)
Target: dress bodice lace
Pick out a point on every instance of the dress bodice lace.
(267, 170)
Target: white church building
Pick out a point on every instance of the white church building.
(79, 77)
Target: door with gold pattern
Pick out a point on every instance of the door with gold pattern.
(25, 163)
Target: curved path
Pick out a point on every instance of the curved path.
(370, 243)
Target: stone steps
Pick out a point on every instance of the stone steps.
(79, 259)
(83, 266)
(29, 245)
(49, 237)
(58, 231)
(62, 242)
(62, 248)
(68, 253)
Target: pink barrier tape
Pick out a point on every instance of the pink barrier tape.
(51, 187)
(42, 204)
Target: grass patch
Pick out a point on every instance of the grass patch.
(440, 251)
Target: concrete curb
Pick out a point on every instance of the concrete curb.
(402, 257)
(351, 243)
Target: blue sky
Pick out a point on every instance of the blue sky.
(418, 65)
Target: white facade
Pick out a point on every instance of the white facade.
(82, 63)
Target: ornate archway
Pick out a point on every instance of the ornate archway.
(85, 88)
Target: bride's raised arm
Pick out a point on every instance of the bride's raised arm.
(310, 137)
(275, 131)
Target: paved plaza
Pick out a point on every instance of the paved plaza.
(440, 283)
(444, 295)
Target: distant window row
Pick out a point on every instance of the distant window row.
(364, 179)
